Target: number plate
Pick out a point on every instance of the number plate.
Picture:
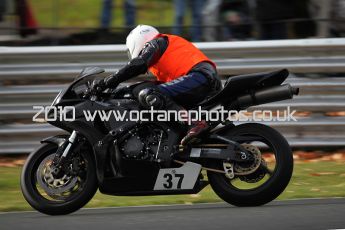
(178, 178)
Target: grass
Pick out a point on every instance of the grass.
(310, 180)
(81, 13)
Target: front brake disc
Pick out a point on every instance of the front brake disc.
(54, 187)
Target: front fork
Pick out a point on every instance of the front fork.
(65, 148)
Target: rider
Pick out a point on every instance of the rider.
(185, 74)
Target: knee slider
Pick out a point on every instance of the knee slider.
(151, 97)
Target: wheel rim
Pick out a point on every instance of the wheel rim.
(265, 171)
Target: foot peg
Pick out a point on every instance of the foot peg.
(229, 170)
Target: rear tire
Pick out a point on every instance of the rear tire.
(273, 187)
(48, 206)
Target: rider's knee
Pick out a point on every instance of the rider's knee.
(150, 97)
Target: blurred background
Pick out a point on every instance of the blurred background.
(61, 22)
(45, 44)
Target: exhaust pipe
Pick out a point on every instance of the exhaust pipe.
(276, 93)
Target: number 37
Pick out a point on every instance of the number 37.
(169, 180)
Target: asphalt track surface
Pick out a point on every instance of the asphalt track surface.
(293, 214)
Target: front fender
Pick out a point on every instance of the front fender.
(58, 140)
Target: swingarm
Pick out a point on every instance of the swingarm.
(227, 150)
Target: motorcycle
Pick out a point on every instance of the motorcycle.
(137, 158)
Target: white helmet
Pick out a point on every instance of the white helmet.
(137, 38)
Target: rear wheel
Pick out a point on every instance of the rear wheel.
(265, 181)
(62, 194)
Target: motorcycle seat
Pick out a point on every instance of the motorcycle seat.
(241, 84)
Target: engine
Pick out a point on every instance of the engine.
(142, 143)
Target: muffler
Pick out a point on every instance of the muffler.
(276, 93)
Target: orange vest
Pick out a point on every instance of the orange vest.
(177, 60)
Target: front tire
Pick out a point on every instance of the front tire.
(270, 189)
(70, 201)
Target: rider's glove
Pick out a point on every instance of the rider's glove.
(112, 81)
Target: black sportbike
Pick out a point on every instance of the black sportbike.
(246, 165)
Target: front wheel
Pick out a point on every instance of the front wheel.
(271, 176)
(62, 194)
